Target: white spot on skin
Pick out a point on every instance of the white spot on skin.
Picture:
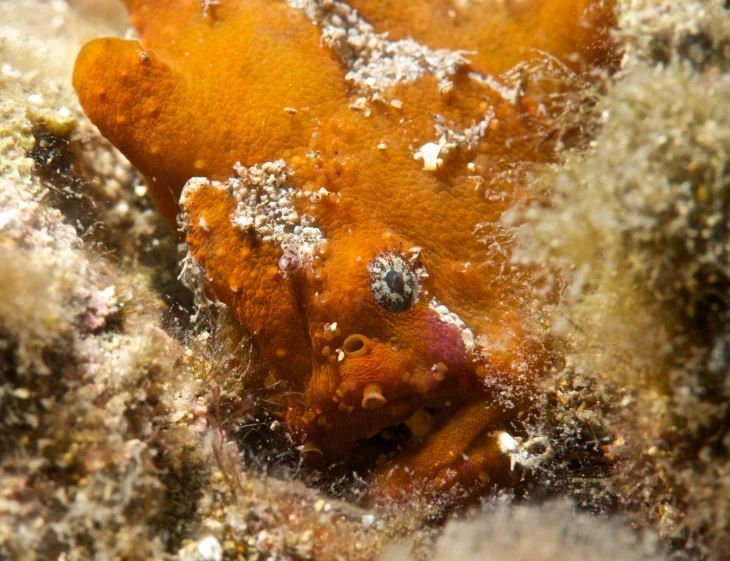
(208, 5)
(430, 155)
(361, 104)
(319, 195)
(414, 254)
(445, 315)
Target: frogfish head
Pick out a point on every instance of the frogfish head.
(386, 342)
(365, 323)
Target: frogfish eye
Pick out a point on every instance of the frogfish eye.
(393, 283)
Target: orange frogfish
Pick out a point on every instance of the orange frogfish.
(339, 170)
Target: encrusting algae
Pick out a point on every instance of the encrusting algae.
(341, 191)
(639, 226)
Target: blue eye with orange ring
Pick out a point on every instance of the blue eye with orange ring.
(393, 283)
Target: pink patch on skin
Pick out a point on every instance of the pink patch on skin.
(444, 344)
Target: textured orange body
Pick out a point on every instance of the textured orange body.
(360, 240)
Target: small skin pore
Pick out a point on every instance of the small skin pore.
(377, 284)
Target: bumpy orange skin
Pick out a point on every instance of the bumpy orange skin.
(199, 94)
(499, 34)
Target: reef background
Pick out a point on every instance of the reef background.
(119, 433)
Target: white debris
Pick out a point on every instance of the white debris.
(374, 63)
(207, 549)
(510, 94)
(521, 453)
(449, 139)
(266, 207)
